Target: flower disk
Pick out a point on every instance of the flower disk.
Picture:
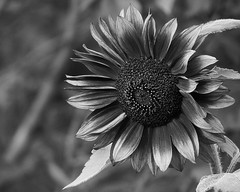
(148, 92)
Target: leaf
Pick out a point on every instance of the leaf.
(224, 182)
(219, 25)
(226, 73)
(97, 162)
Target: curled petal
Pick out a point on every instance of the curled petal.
(208, 86)
(198, 63)
(186, 85)
(180, 65)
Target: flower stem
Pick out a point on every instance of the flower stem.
(215, 166)
(233, 163)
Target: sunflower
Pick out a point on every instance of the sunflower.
(150, 92)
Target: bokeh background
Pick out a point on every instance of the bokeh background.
(38, 148)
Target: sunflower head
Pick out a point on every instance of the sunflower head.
(150, 91)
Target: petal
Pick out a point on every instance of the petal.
(182, 42)
(128, 37)
(179, 66)
(212, 138)
(181, 140)
(101, 121)
(215, 123)
(106, 138)
(99, 57)
(186, 85)
(93, 99)
(178, 160)
(113, 63)
(127, 143)
(198, 63)
(140, 155)
(135, 17)
(191, 132)
(97, 67)
(208, 86)
(105, 30)
(222, 102)
(91, 82)
(164, 39)
(162, 147)
(151, 163)
(194, 112)
(205, 153)
(103, 44)
(148, 35)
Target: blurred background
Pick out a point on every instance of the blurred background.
(39, 151)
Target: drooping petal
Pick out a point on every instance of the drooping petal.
(101, 121)
(208, 86)
(194, 112)
(106, 138)
(181, 140)
(222, 102)
(186, 85)
(140, 155)
(179, 66)
(97, 67)
(162, 147)
(198, 63)
(128, 37)
(103, 44)
(178, 160)
(212, 138)
(164, 39)
(205, 152)
(127, 143)
(182, 42)
(191, 132)
(215, 123)
(135, 17)
(91, 82)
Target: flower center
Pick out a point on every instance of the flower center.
(148, 93)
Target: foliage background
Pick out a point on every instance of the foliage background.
(39, 151)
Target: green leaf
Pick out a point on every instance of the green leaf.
(97, 162)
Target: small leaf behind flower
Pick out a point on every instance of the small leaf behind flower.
(224, 73)
(97, 162)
